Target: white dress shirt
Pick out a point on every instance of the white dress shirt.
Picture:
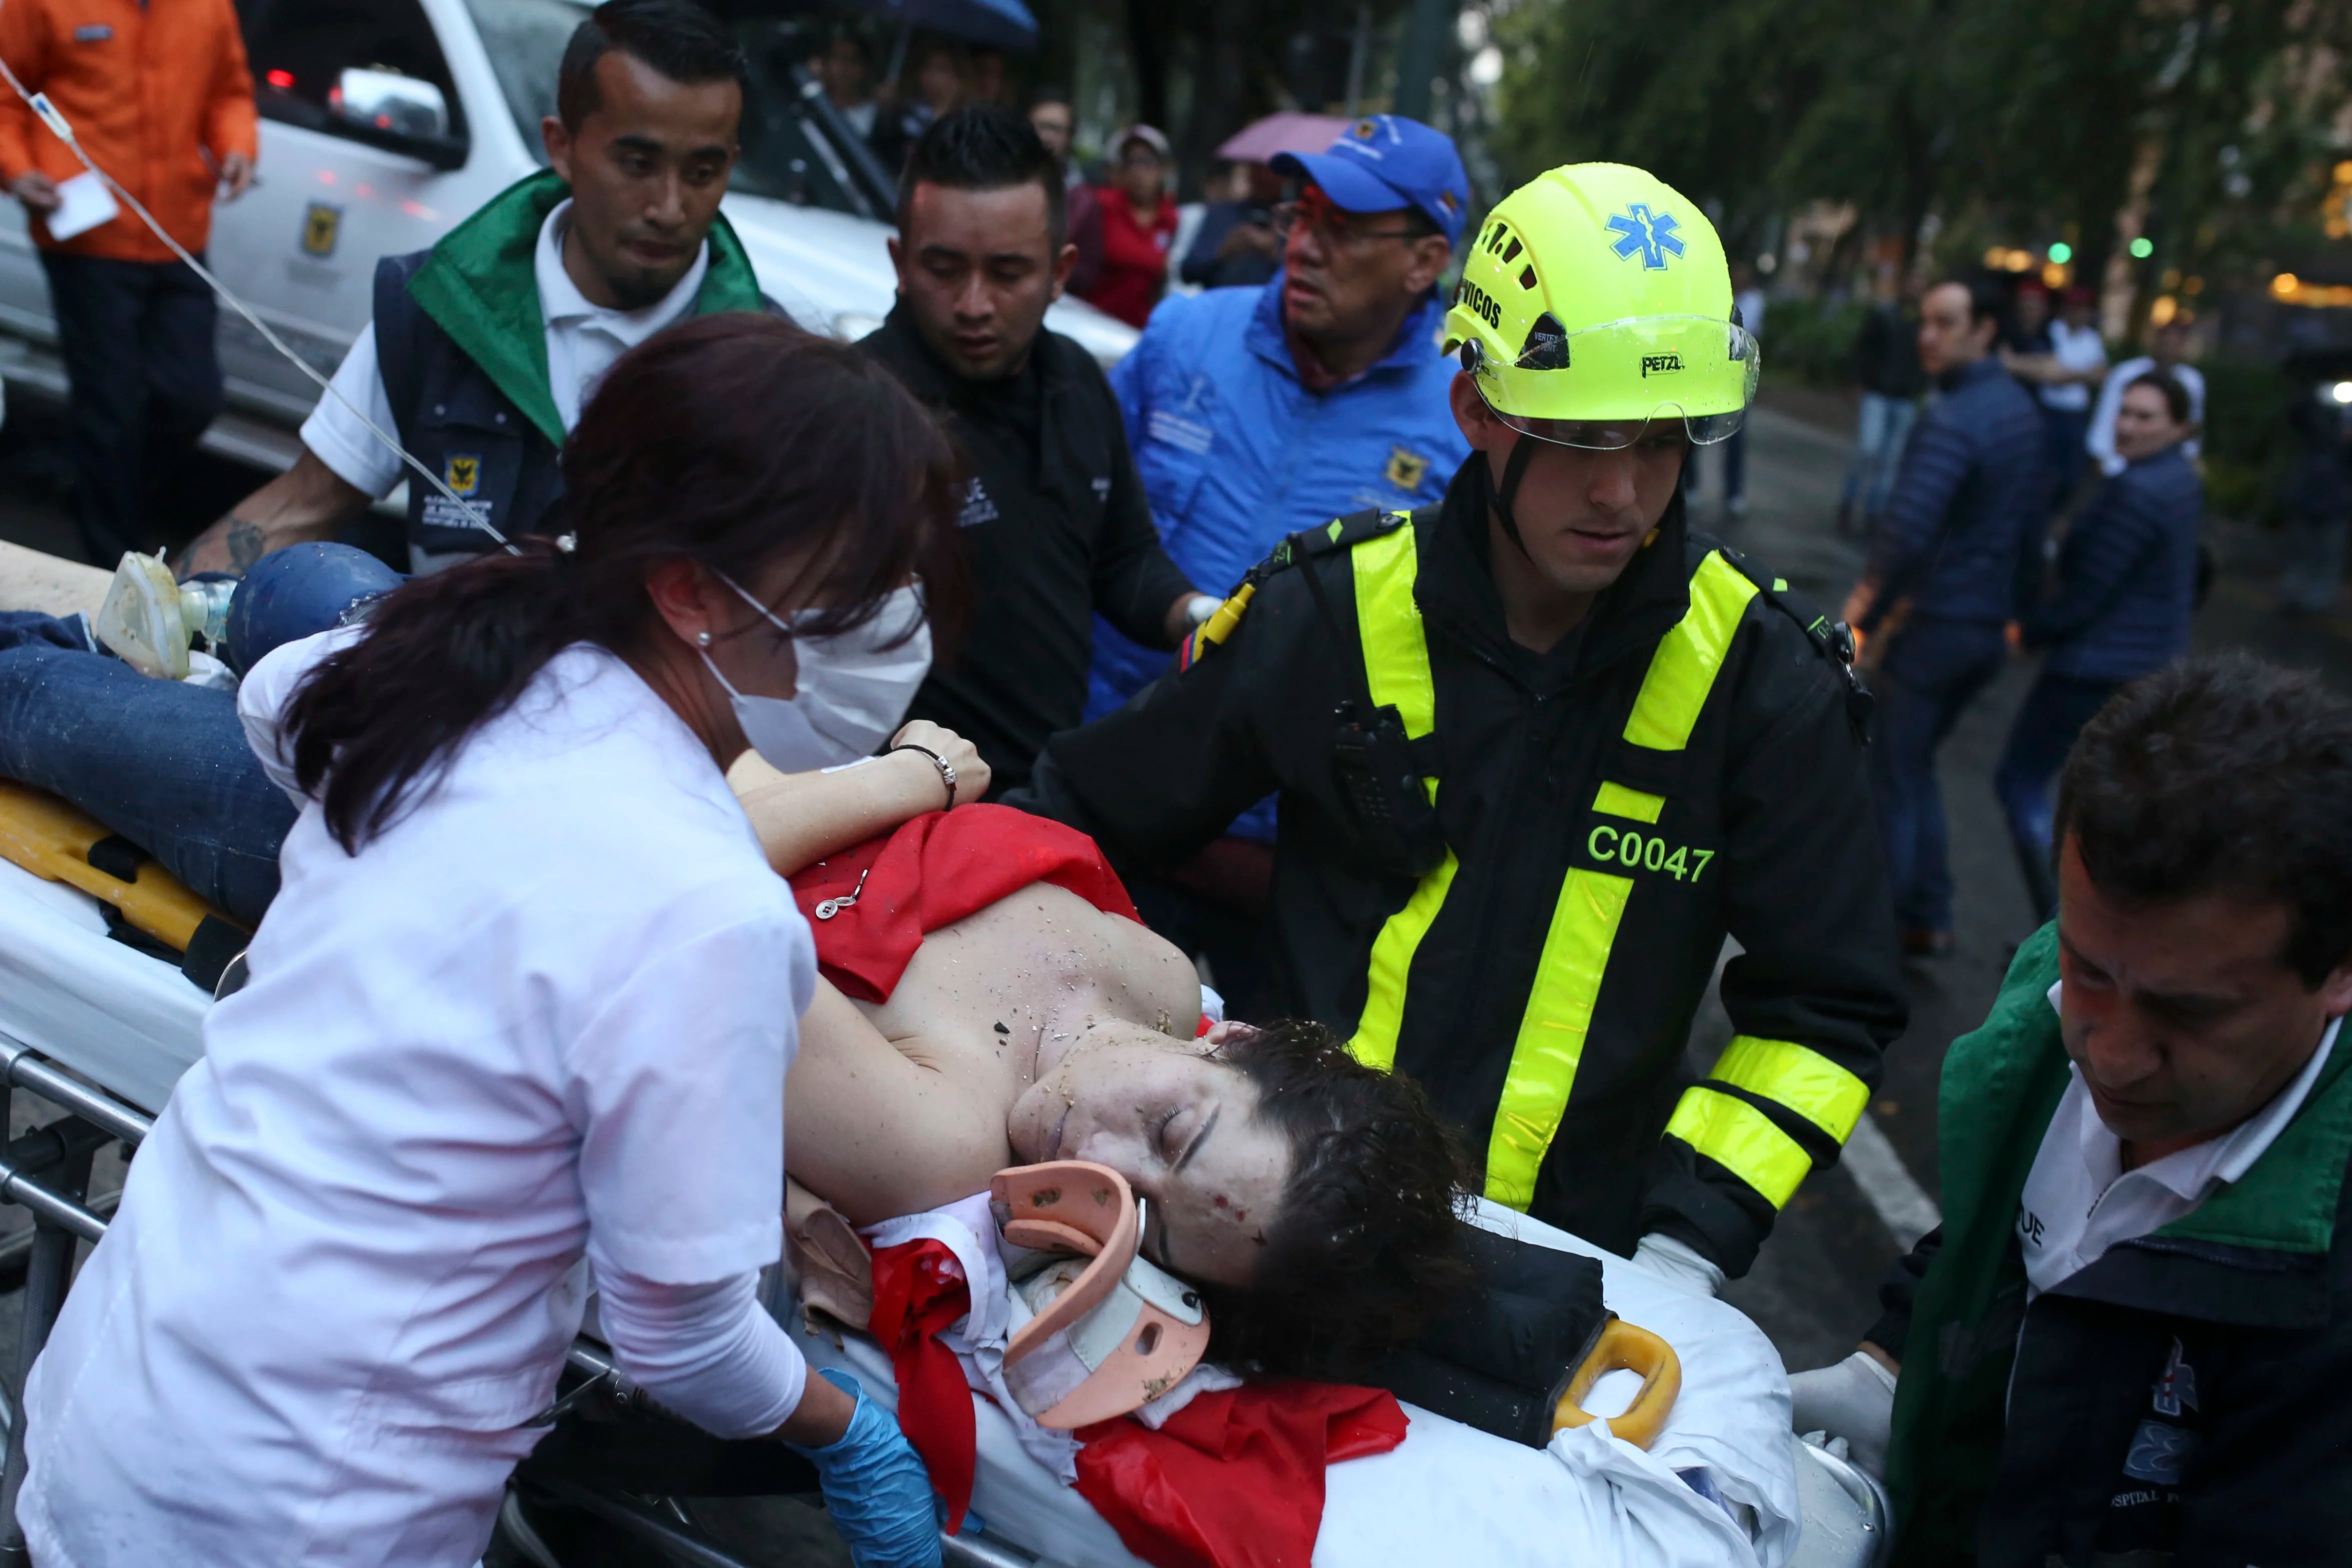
(583, 341)
(546, 1015)
(2101, 441)
(2079, 1201)
(2081, 351)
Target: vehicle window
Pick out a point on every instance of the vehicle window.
(300, 49)
(525, 40)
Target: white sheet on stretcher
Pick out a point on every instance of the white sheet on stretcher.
(1451, 1494)
(122, 1019)
(1448, 1494)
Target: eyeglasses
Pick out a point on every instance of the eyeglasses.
(1336, 226)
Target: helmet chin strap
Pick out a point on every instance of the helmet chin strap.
(1513, 470)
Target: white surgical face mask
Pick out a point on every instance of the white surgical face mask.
(852, 690)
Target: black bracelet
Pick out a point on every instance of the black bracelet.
(947, 772)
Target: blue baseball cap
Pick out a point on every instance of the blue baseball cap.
(1385, 162)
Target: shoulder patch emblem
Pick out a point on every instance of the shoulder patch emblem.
(462, 473)
(1406, 470)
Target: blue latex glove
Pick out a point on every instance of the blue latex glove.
(876, 1488)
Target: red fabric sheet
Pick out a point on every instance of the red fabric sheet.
(932, 872)
(1235, 1480)
(919, 1293)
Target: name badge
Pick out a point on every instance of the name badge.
(93, 33)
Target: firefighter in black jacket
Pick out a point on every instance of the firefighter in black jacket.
(1540, 748)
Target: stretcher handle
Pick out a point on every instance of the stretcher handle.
(1621, 1348)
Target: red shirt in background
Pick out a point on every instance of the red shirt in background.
(1134, 258)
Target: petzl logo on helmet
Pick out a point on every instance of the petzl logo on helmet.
(1651, 236)
(1660, 364)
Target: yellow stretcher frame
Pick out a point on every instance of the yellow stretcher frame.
(52, 840)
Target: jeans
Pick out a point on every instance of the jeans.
(1933, 669)
(164, 765)
(2054, 713)
(1884, 427)
(137, 338)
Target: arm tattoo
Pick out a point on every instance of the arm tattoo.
(246, 544)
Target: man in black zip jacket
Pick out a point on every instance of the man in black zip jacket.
(1055, 526)
(1538, 750)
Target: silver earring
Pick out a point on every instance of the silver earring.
(702, 639)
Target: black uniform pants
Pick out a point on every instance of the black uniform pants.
(137, 337)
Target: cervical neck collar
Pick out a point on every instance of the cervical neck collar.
(1112, 1332)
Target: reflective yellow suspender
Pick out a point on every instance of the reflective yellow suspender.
(1558, 1014)
(1584, 923)
(1396, 665)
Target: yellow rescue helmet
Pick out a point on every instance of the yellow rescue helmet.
(1594, 300)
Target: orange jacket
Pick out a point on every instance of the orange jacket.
(151, 90)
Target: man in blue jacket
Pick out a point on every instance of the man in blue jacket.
(2126, 593)
(1943, 583)
(1254, 413)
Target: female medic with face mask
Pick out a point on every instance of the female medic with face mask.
(527, 999)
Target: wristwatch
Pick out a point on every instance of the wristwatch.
(947, 770)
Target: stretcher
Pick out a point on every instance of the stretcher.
(103, 1031)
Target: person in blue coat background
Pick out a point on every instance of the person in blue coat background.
(2127, 592)
(1944, 580)
(1254, 413)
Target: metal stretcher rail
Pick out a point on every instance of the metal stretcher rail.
(47, 1173)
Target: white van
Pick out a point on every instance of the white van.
(385, 122)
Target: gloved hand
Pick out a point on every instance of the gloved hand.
(1679, 1264)
(876, 1488)
(1853, 1400)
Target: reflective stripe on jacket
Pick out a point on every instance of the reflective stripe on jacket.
(1731, 1118)
(1683, 766)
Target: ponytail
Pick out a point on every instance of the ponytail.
(727, 440)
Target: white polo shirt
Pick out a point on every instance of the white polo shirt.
(583, 341)
(2079, 1201)
(2081, 351)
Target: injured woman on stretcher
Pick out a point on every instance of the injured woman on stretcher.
(990, 998)
(990, 1002)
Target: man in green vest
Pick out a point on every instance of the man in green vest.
(2130, 1342)
(1540, 748)
(482, 349)
(478, 357)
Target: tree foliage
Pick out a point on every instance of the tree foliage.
(2212, 123)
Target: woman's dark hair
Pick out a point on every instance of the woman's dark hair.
(1987, 300)
(729, 440)
(2176, 396)
(2222, 775)
(1367, 1248)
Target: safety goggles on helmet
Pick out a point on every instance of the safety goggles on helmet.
(1607, 387)
(1111, 1331)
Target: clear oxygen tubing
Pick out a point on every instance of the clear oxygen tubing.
(38, 102)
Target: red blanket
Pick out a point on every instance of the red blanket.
(932, 872)
(1233, 1479)
(919, 1293)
